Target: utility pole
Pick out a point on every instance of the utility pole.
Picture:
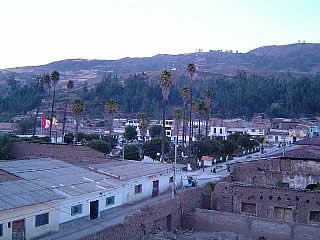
(174, 191)
(122, 149)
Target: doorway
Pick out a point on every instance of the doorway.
(18, 230)
(155, 189)
(94, 209)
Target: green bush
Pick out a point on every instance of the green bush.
(100, 146)
(131, 152)
(4, 147)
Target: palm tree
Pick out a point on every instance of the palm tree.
(178, 116)
(185, 94)
(69, 87)
(208, 94)
(165, 84)
(202, 109)
(42, 81)
(111, 108)
(78, 108)
(55, 77)
(191, 69)
(143, 126)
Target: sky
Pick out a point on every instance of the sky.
(34, 32)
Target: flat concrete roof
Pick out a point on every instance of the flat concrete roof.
(129, 169)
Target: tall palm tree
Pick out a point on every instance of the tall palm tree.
(202, 110)
(208, 94)
(55, 77)
(178, 117)
(165, 84)
(42, 82)
(143, 126)
(78, 108)
(111, 108)
(185, 94)
(69, 87)
(191, 69)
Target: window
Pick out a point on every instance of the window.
(249, 208)
(253, 130)
(42, 219)
(75, 210)
(313, 217)
(220, 130)
(284, 214)
(170, 179)
(138, 189)
(110, 200)
(1, 230)
(214, 130)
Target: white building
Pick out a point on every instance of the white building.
(88, 191)
(26, 209)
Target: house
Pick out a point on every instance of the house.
(207, 161)
(140, 180)
(86, 191)
(26, 209)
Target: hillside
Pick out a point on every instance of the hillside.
(301, 57)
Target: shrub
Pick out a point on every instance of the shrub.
(100, 146)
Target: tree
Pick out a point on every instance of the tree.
(40, 84)
(55, 77)
(208, 94)
(191, 69)
(155, 131)
(166, 83)
(69, 88)
(100, 146)
(111, 108)
(25, 126)
(143, 127)
(178, 117)
(78, 108)
(130, 133)
(4, 147)
(185, 94)
(153, 147)
(131, 152)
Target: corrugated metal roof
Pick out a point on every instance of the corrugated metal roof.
(22, 193)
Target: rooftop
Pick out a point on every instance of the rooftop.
(63, 178)
(129, 169)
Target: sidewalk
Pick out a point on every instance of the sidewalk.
(81, 227)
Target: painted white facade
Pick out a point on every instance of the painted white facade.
(28, 214)
(216, 131)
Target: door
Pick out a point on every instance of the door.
(155, 189)
(94, 209)
(18, 230)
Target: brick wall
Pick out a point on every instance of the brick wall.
(164, 215)
(249, 226)
(297, 173)
(229, 197)
(69, 153)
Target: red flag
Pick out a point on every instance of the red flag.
(44, 121)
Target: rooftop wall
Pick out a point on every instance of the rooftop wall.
(69, 153)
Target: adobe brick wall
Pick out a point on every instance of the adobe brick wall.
(154, 217)
(249, 226)
(228, 197)
(69, 153)
(298, 173)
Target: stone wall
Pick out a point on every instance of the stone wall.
(296, 173)
(249, 226)
(69, 153)
(164, 215)
(268, 202)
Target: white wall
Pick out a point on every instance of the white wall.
(65, 207)
(29, 215)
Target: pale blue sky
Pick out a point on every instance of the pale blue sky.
(40, 31)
